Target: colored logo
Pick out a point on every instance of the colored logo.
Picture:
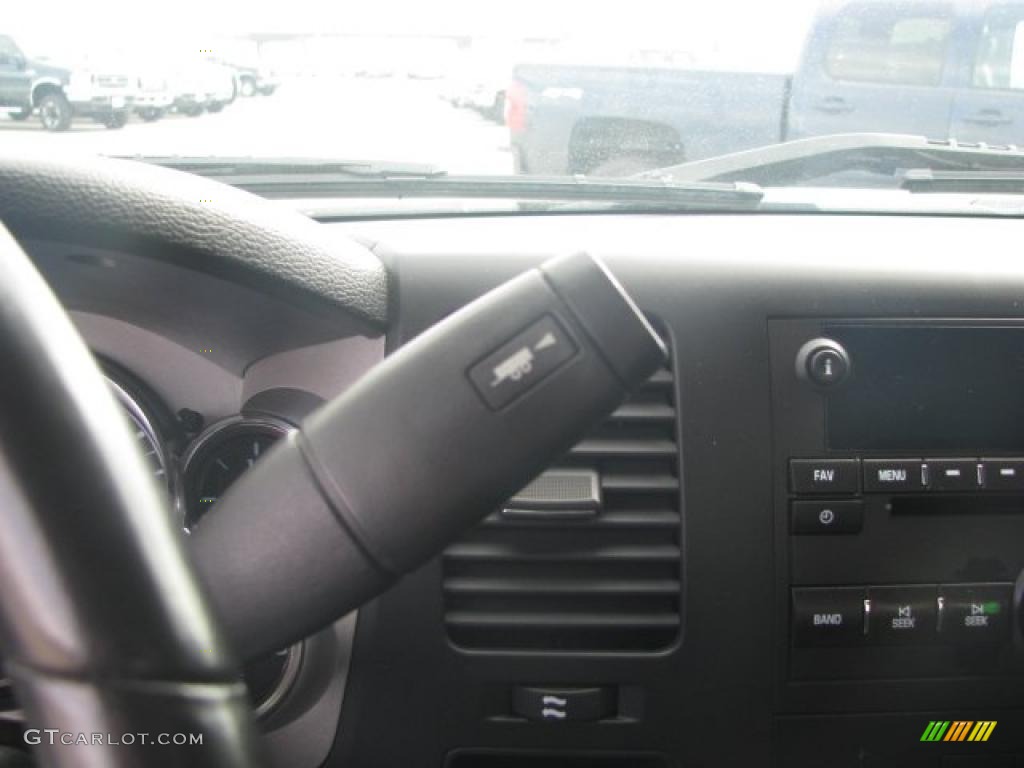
(958, 730)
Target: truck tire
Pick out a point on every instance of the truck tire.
(116, 120)
(55, 111)
(151, 114)
(247, 87)
(215, 106)
(24, 114)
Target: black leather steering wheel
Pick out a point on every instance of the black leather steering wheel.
(105, 632)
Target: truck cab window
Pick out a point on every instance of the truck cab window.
(9, 53)
(999, 62)
(872, 44)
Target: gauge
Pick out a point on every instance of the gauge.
(217, 459)
(148, 440)
(269, 678)
(221, 455)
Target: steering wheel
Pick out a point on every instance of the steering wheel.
(107, 636)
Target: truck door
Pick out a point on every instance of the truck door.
(990, 107)
(15, 79)
(876, 67)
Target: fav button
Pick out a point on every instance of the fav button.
(902, 615)
(827, 517)
(892, 475)
(823, 475)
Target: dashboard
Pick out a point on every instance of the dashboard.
(799, 544)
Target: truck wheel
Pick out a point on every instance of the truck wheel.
(116, 120)
(55, 111)
(151, 114)
(247, 87)
(215, 106)
(21, 115)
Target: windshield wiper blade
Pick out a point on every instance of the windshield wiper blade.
(326, 182)
(884, 155)
(926, 180)
(311, 178)
(227, 168)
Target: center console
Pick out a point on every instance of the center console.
(899, 515)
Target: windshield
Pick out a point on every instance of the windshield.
(658, 91)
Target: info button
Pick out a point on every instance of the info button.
(892, 475)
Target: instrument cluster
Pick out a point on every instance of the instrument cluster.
(195, 464)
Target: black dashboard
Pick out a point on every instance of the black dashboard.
(798, 545)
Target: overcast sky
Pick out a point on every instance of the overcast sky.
(757, 32)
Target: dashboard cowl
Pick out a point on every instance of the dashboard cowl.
(76, 196)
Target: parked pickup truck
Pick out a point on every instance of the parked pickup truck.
(60, 93)
(943, 69)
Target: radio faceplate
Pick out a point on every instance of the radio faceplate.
(899, 507)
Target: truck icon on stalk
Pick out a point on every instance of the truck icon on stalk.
(513, 367)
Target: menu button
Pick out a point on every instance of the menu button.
(892, 475)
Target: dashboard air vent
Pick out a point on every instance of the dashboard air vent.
(586, 558)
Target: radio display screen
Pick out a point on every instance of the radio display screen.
(938, 387)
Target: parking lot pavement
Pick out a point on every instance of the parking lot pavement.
(380, 119)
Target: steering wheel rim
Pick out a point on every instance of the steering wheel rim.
(104, 629)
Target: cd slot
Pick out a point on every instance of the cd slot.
(959, 504)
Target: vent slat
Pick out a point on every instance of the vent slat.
(644, 413)
(557, 621)
(609, 582)
(619, 518)
(640, 483)
(660, 378)
(600, 447)
(475, 551)
(504, 586)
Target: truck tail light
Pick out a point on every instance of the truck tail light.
(515, 107)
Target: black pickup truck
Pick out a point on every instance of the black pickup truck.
(59, 94)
